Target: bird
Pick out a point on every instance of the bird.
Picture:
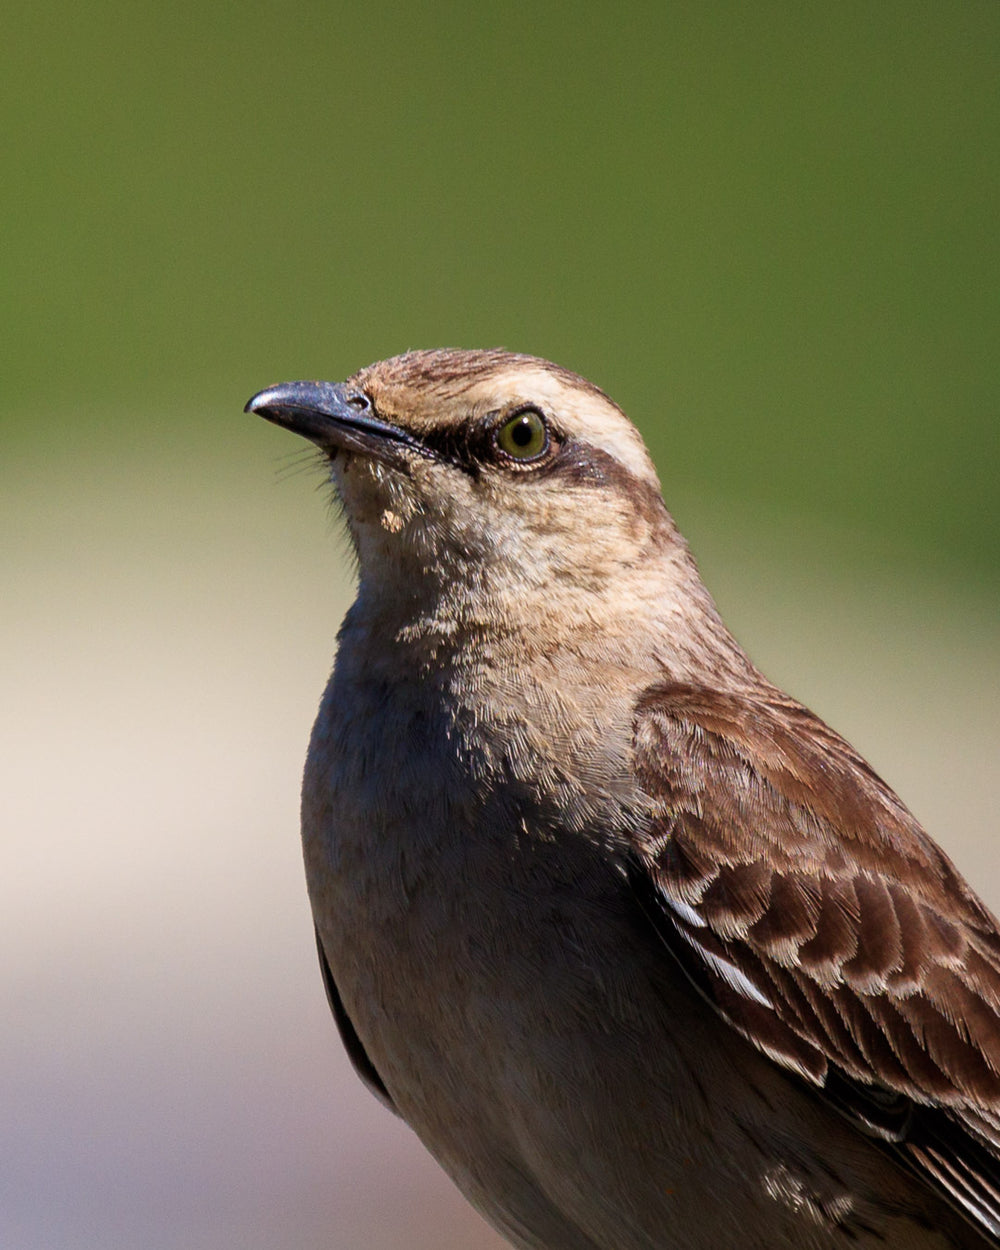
(643, 951)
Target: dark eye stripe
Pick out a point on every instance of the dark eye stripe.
(465, 446)
(469, 447)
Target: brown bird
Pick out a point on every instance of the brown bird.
(643, 951)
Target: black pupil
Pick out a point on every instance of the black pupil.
(522, 432)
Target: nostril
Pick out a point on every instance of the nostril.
(358, 401)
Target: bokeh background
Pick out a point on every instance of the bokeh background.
(770, 231)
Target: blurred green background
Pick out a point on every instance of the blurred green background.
(769, 231)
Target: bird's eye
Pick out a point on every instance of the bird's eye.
(524, 436)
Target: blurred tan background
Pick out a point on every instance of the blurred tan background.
(769, 232)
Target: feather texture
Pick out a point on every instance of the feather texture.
(807, 904)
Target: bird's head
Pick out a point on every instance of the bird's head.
(501, 474)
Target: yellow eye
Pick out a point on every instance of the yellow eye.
(524, 436)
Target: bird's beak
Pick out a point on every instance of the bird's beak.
(333, 415)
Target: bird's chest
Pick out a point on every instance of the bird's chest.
(456, 915)
(389, 812)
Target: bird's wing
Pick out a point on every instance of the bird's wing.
(348, 1034)
(806, 903)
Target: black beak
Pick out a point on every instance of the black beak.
(332, 415)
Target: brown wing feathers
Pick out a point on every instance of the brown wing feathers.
(825, 926)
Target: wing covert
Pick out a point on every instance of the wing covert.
(806, 903)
